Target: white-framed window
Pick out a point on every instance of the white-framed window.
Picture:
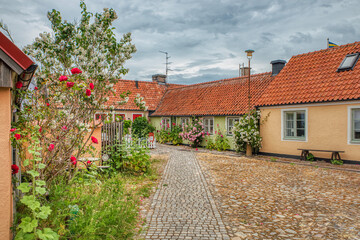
(166, 123)
(208, 123)
(294, 124)
(354, 125)
(230, 123)
(184, 121)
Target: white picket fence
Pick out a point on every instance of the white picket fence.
(143, 142)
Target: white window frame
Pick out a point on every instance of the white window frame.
(295, 139)
(187, 120)
(210, 118)
(163, 119)
(350, 126)
(227, 124)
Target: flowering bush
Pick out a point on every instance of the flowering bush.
(247, 131)
(221, 142)
(175, 136)
(194, 132)
(163, 136)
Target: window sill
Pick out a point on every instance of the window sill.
(294, 139)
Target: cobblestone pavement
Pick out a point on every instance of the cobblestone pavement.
(182, 207)
(270, 200)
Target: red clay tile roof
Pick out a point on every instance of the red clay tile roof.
(222, 97)
(151, 91)
(14, 52)
(313, 77)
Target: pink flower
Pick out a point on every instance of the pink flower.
(17, 136)
(88, 92)
(70, 84)
(222, 135)
(47, 104)
(64, 128)
(40, 129)
(174, 124)
(196, 149)
(94, 140)
(13, 130)
(91, 85)
(19, 85)
(76, 71)
(63, 78)
(36, 88)
(51, 147)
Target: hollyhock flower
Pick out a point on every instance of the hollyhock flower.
(91, 85)
(36, 88)
(76, 71)
(19, 85)
(63, 78)
(94, 140)
(174, 124)
(47, 104)
(15, 169)
(88, 92)
(70, 84)
(51, 147)
(17, 136)
(64, 128)
(222, 135)
(196, 149)
(13, 130)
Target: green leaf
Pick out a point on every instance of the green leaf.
(33, 173)
(44, 212)
(24, 187)
(37, 154)
(41, 166)
(20, 235)
(40, 182)
(31, 202)
(47, 234)
(40, 190)
(26, 162)
(28, 225)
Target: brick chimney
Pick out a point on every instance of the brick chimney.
(159, 78)
(277, 66)
(244, 71)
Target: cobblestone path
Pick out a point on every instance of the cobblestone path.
(182, 207)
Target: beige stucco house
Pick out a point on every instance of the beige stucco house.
(314, 103)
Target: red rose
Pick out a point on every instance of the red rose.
(88, 162)
(91, 85)
(40, 129)
(17, 136)
(63, 78)
(174, 124)
(73, 159)
(88, 92)
(51, 147)
(13, 130)
(47, 104)
(94, 140)
(19, 85)
(15, 169)
(76, 71)
(70, 84)
(36, 88)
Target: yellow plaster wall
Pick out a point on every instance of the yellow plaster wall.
(5, 164)
(327, 130)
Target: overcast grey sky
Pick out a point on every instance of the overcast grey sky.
(205, 39)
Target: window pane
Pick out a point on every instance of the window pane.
(357, 134)
(289, 133)
(300, 124)
(300, 116)
(289, 116)
(349, 61)
(357, 125)
(356, 114)
(300, 132)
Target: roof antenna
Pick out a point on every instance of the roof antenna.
(167, 69)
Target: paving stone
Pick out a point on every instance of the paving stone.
(183, 207)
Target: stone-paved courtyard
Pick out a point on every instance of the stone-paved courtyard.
(269, 200)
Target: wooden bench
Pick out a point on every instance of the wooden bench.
(334, 154)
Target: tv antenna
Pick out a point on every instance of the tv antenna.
(167, 63)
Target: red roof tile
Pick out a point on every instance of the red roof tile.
(152, 93)
(14, 52)
(313, 77)
(222, 97)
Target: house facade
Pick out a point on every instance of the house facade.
(15, 67)
(218, 103)
(314, 103)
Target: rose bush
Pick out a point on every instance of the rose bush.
(193, 132)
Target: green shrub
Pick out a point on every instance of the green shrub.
(174, 135)
(221, 142)
(163, 136)
(337, 162)
(141, 127)
(210, 144)
(127, 125)
(310, 157)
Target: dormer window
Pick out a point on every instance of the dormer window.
(349, 62)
